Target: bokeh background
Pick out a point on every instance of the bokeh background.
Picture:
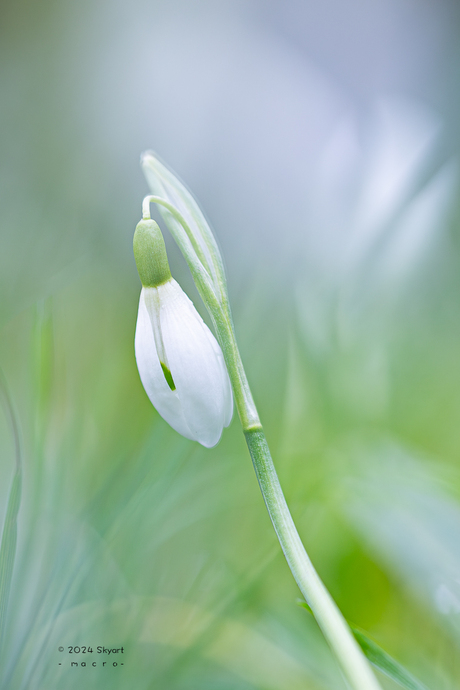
(322, 141)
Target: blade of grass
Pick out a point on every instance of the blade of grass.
(380, 659)
(385, 663)
(9, 534)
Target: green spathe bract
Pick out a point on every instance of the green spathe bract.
(189, 228)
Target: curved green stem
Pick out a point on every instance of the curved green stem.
(245, 404)
(335, 629)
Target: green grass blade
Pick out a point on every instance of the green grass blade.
(385, 663)
(8, 548)
(10, 530)
(381, 660)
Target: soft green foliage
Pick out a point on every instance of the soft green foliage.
(130, 535)
(121, 514)
(8, 547)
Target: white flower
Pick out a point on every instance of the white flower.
(181, 364)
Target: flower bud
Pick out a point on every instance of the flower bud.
(180, 362)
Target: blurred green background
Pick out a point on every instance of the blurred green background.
(321, 140)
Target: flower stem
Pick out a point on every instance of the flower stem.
(335, 629)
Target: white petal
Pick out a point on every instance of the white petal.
(165, 400)
(196, 365)
(226, 385)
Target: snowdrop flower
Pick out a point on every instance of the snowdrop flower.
(182, 369)
(180, 363)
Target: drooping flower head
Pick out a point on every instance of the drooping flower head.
(180, 362)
